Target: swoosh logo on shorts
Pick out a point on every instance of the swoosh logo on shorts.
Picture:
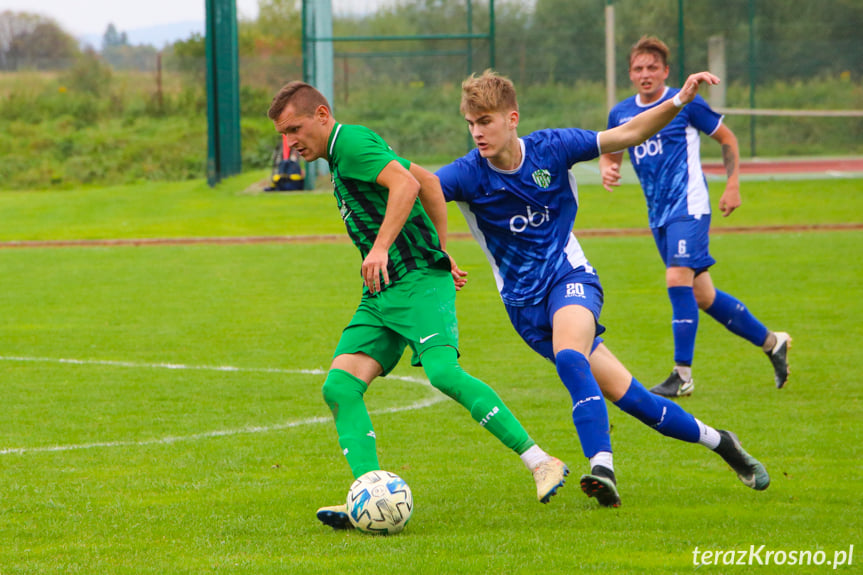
(428, 337)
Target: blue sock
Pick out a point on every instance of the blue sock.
(730, 312)
(684, 323)
(588, 406)
(660, 413)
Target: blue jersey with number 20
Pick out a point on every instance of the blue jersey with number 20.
(523, 218)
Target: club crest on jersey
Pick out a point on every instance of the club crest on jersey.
(542, 178)
(345, 211)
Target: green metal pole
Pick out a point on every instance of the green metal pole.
(305, 40)
(414, 37)
(223, 91)
(309, 44)
(469, 41)
(752, 72)
(491, 33)
(681, 50)
(469, 59)
(212, 119)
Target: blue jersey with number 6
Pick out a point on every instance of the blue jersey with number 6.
(668, 164)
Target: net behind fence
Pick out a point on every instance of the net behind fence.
(792, 70)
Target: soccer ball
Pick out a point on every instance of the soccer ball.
(380, 502)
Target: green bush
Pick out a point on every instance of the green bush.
(89, 126)
(89, 75)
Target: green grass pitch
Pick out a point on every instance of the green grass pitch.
(162, 414)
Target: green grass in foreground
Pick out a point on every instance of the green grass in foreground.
(195, 210)
(145, 455)
(133, 467)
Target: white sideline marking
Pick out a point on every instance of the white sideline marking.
(168, 365)
(207, 434)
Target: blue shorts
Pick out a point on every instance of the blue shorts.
(685, 243)
(533, 323)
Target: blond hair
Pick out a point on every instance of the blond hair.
(650, 45)
(488, 92)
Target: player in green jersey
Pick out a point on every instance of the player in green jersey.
(396, 216)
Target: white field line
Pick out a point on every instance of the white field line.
(438, 397)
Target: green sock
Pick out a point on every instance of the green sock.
(344, 395)
(485, 406)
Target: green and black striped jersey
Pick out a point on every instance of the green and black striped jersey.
(357, 156)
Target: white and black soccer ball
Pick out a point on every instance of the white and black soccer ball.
(380, 502)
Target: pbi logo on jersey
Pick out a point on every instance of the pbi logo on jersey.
(652, 147)
(542, 177)
(518, 223)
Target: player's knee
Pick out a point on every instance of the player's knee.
(704, 298)
(443, 370)
(330, 392)
(340, 387)
(445, 378)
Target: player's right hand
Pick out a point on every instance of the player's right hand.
(374, 266)
(459, 276)
(610, 176)
(690, 87)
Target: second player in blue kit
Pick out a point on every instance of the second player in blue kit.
(668, 166)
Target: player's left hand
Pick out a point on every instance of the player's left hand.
(730, 200)
(610, 176)
(459, 276)
(690, 87)
(375, 266)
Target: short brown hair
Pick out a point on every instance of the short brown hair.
(305, 98)
(489, 92)
(650, 45)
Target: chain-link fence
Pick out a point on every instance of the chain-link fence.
(773, 55)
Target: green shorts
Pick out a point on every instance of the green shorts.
(418, 311)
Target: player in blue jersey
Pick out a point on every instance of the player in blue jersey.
(520, 201)
(668, 166)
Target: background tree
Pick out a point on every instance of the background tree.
(141, 57)
(121, 55)
(112, 37)
(188, 56)
(34, 41)
(269, 46)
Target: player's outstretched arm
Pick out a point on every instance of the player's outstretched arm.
(650, 122)
(693, 82)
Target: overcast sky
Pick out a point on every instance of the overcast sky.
(81, 17)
